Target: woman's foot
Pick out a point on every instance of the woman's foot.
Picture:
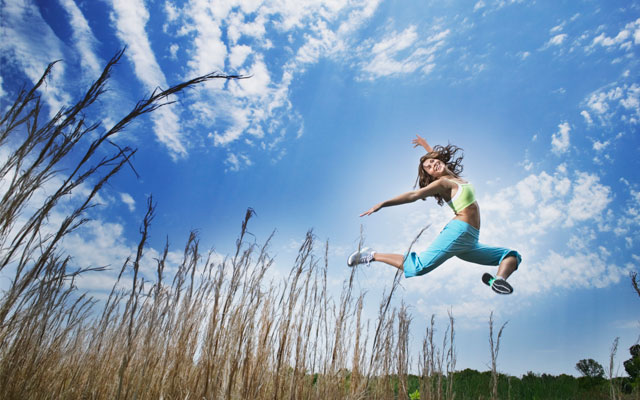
(498, 284)
(362, 256)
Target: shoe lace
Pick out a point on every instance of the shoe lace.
(366, 258)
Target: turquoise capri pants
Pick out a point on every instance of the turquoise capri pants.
(456, 239)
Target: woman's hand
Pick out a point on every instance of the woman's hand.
(372, 210)
(420, 141)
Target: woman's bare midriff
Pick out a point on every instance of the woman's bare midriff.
(470, 215)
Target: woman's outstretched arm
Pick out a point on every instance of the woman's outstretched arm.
(420, 141)
(431, 189)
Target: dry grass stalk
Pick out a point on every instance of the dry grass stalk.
(451, 357)
(634, 282)
(437, 363)
(494, 345)
(613, 389)
(402, 361)
(40, 313)
(212, 330)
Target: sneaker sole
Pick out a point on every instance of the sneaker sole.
(350, 262)
(501, 286)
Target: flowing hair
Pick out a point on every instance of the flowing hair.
(447, 154)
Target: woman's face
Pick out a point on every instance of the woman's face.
(434, 167)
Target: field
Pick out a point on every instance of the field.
(213, 329)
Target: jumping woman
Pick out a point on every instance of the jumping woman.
(439, 177)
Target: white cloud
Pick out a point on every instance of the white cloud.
(2, 92)
(239, 26)
(83, 37)
(632, 99)
(628, 36)
(543, 202)
(257, 86)
(238, 55)
(98, 243)
(620, 103)
(582, 269)
(489, 6)
(29, 42)
(172, 11)
(237, 161)
(239, 119)
(560, 139)
(258, 109)
(209, 50)
(599, 146)
(401, 53)
(590, 199)
(587, 117)
(173, 51)
(130, 18)
(557, 40)
(628, 225)
(129, 201)
(101, 243)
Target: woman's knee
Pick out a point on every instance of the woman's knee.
(512, 257)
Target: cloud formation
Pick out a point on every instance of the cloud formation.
(401, 53)
(32, 45)
(259, 109)
(625, 39)
(614, 103)
(84, 39)
(560, 139)
(130, 18)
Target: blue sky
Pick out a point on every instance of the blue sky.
(543, 97)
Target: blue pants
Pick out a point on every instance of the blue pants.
(456, 239)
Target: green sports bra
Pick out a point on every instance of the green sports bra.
(465, 196)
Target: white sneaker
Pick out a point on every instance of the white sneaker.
(363, 256)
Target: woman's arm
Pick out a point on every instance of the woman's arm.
(431, 189)
(420, 141)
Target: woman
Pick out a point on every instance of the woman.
(439, 177)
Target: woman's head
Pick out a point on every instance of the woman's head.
(443, 160)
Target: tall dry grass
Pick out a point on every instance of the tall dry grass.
(210, 330)
(494, 345)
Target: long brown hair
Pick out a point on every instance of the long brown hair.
(447, 154)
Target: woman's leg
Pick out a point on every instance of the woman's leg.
(508, 265)
(506, 259)
(395, 260)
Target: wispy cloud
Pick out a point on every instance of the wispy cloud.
(402, 53)
(2, 92)
(258, 109)
(556, 40)
(560, 139)
(129, 201)
(237, 161)
(84, 39)
(102, 243)
(32, 46)
(615, 103)
(625, 39)
(130, 18)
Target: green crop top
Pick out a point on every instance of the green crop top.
(465, 196)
